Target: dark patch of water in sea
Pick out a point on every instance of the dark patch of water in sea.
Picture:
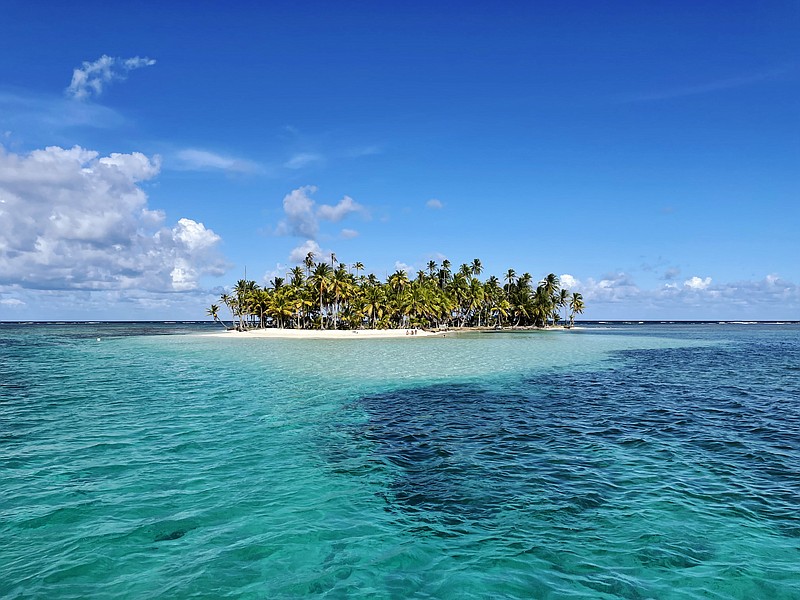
(713, 425)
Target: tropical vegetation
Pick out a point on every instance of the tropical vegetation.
(333, 295)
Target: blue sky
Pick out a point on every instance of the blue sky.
(648, 153)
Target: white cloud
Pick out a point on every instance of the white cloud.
(696, 283)
(278, 271)
(299, 253)
(611, 288)
(434, 204)
(568, 281)
(301, 219)
(348, 234)
(616, 296)
(302, 159)
(192, 159)
(401, 266)
(13, 302)
(92, 77)
(303, 215)
(74, 220)
(339, 211)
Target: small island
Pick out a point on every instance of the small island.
(331, 296)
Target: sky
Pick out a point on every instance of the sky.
(647, 153)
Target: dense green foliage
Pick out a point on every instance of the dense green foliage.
(331, 296)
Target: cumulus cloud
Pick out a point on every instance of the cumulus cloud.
(90, 79)
(337, 212)
(192, 159)
(568, 281)
(303, 215)
(696, 283)
(299, 253)
(348, 234)
(612, 287)
(434, 204)
(301, 218)
(75, 220)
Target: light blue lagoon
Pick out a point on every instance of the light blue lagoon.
(616, 461)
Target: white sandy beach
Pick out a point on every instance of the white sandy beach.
(349, 334)
(326, 333)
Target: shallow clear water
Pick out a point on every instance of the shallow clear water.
(620, 462)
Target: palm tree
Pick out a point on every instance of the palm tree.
(308, 261)
(542, 306)
(397, 281)
(477, 296)
(374, 303)
(576, 307)
(213, 312)
(493, 296)
(551, 284)
(477, 267)
(432, 266)
(297, 277)
(416, 302)
(229, 302)
(339, 286)
(358, 266)
(511, 278)
(283, 306)
(320, 280)
(446, 269)
(563, 300)
(243, 290)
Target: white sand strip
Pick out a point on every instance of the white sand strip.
(327, 334)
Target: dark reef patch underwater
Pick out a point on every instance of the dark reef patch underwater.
(660, 453)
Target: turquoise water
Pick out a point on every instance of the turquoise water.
(653, 461)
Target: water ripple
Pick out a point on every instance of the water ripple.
(603, 464)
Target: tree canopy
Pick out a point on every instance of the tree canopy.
(329, 295)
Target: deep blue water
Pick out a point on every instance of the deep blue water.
(615, 461)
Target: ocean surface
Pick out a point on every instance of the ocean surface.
(616, 461)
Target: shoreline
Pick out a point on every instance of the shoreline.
(350, 334)
(324, 334)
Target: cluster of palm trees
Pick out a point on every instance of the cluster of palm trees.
(331, 295)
